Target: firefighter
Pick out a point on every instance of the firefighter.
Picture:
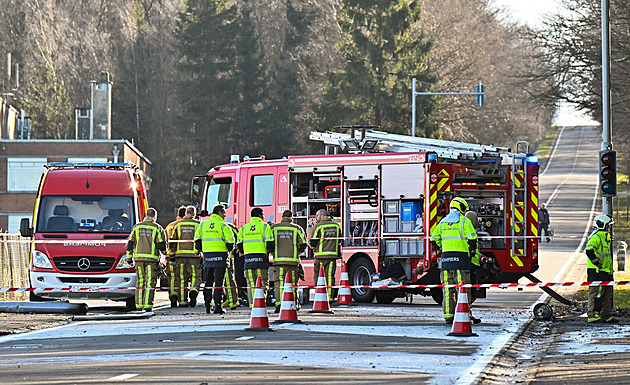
(326, 245)
(146, 241)
(290, 242)
(172, 276)
(475, 258)
(186, 259)
(456, 236)
(230, 285)
(599, 267)
(255, 242)
(215, 240)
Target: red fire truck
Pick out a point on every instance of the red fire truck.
(388, 192)
(83, 215)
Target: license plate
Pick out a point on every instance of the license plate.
(90, 289)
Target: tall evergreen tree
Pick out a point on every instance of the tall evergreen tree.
(382, 53)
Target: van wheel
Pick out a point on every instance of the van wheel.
(35, 298)
(361, 271)
(130, 303)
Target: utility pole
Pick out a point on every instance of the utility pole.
(480, 93)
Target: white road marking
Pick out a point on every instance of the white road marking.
(244, 338)
(123, 377)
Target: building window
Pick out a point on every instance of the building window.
(262, 191)
(23, 174)
(14, 221)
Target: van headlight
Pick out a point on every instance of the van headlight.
(122, 264)
(41, 260)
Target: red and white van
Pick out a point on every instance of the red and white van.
(83, 215)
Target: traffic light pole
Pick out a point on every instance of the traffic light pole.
(481, 92)
(606, 117)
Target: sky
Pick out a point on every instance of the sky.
(531, 12)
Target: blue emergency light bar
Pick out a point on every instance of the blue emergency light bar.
(533, 159)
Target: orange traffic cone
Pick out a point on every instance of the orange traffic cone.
(461, 322)
(344, 297)
(259, 321)
(321, 304)
(288, 313)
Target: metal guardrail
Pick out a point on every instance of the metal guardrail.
(14, 262)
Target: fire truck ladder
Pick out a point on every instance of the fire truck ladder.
(365, 139)
(519, 204)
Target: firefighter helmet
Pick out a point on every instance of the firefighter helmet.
(601, 221)
(459, 204)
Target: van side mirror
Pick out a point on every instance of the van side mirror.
(195, 189)
(25, 228)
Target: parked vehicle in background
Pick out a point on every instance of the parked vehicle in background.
(83, 215)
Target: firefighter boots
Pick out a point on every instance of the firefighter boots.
(218, 310)
(193, 298)
(173, 299)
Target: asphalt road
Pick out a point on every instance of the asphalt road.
(371, 343)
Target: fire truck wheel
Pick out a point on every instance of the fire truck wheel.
(385, 296)
(360, 273)
(437, 294)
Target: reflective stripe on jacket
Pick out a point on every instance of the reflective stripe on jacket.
(214, 234)
(184, 230)
(254, 236)
(288, 238)
(600, 243)
(145, 239)
(327, 235)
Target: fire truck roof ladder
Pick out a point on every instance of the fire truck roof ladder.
(369, 140)
(519, 206)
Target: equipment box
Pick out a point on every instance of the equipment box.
(411, 246)
(391, 207)
(409, 210)
(408, 226)
(391, 225)
(391, 247)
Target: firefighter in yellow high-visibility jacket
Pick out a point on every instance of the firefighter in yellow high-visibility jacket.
(599, 267)
(456, 237)
(188, 260)
(326, 245)
(172, 276)
(146, 241)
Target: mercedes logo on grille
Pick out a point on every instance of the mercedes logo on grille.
(83, 264)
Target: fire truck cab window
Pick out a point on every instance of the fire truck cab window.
(262, 190)
(219, 192)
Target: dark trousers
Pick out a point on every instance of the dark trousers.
(213, 277)
(543, 228)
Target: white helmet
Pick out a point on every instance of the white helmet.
(601, 221)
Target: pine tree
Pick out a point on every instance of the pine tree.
(382, 53)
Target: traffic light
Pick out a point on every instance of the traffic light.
(607, 173)
(481, 95)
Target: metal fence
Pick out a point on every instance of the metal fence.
(14, 262)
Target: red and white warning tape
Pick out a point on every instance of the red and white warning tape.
(481, 285)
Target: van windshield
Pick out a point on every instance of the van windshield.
(219, 192)
(85, 213)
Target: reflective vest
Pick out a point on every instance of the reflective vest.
(288, 238)
(254, 236)
(184, 230)
(328, 234)
(214, 234)
(169, 227)
(144, 238)
(600, 243)
(452, 239)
